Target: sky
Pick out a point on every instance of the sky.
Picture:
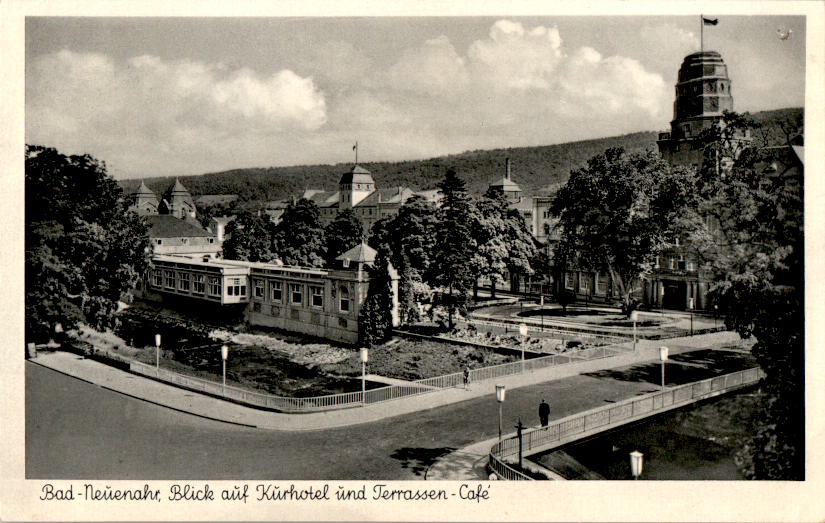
(179, 96)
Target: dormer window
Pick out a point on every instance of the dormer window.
(345, 263)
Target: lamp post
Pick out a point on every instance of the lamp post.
(522, 330)
(541, 312)
(224, 355)
(636, 463)
(662, 300)
(690, 306)
(634, 316)
(715, 316)
(157, 354)
(663, 357)
(519, 429)
(501, 392)
(365, 356)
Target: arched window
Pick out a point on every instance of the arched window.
(344, 299)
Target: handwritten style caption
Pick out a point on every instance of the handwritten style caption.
(260, 492)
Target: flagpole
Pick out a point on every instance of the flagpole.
(702, 33)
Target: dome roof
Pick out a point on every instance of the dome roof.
(356, 175)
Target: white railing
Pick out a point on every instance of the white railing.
(593, 421)
(379, 395)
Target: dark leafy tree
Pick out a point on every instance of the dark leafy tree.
(300, 235)
(84, 250)
(249, 238)
(490, 232)
(411, 291)
(375, 316)
(618, 213)
(409, 233)
(342, 234)
(454, 246)
(752, 239)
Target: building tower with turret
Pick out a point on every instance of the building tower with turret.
(703, 92)
(354, 185)
(144, 201)
(177, 201)
(506, 185)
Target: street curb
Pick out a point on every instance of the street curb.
(202, 416)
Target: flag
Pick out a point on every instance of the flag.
(710, 21)
(354, 147)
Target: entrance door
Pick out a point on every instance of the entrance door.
(675, 294)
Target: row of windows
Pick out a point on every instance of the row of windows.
(183, 241)
(296, 294)
(197, 283)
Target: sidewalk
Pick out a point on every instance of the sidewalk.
(217, 409)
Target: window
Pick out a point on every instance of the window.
(345, 263)
(184, 241)
(214, 286)
(344, 302)
(170, 279)
(259, 289)
(317, 296)
(157, 278)
(569, 281)
(276, 291)
(296, 294)
(211, 240)
(197, 283)
(183, 281)
(235, 288)
(159, 241)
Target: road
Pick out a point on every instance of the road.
(78, 430)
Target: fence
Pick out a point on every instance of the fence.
(379, 395)
(599, 419)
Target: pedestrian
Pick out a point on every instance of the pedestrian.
(466, 378)
(544, 413)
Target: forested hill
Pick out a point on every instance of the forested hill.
(537, 170)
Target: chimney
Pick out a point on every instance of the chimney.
(507, 168)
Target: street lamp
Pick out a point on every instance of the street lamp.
(636, 463)
(634, 316)
(663, 357)
(522, 330)
(224, 355)
(157, 354)
(541, 312)
(501, 392)
(690, 306)
(715, 316)
(662, 300)
(365, 356)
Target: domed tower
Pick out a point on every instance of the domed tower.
(354, 185)
(177, 201)
(144, 201)
(703, 92)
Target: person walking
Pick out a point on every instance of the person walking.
(544, 413)
(466, 378)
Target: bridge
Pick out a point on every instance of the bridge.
(588, 423)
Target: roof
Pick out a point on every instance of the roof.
(167, 226)
(356, 175)
(800, 152)
(142, 190)
(322, 198)
(392, 195)
(361, 253)
(222, 219)
(431, 195)
(506, 184)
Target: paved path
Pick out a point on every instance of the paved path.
(217, 409)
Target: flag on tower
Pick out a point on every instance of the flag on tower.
(710, 21)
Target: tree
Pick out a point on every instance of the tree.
(409, 233)
(454, 244)
(752, 240)
(490, 232)
(342, 234)
(375, 317)
(249, 238)
(300, 235)
(84, 250)
(619, 212)
(411, 290)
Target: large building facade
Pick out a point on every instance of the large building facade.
(319, 302)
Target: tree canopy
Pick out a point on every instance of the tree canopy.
(455, 245)
(249, 237)
(617, 213)
(375, 317)
(300, 235)
(84, 250)
(342, 234)
(752, 240)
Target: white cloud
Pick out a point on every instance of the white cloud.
(87, 101)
